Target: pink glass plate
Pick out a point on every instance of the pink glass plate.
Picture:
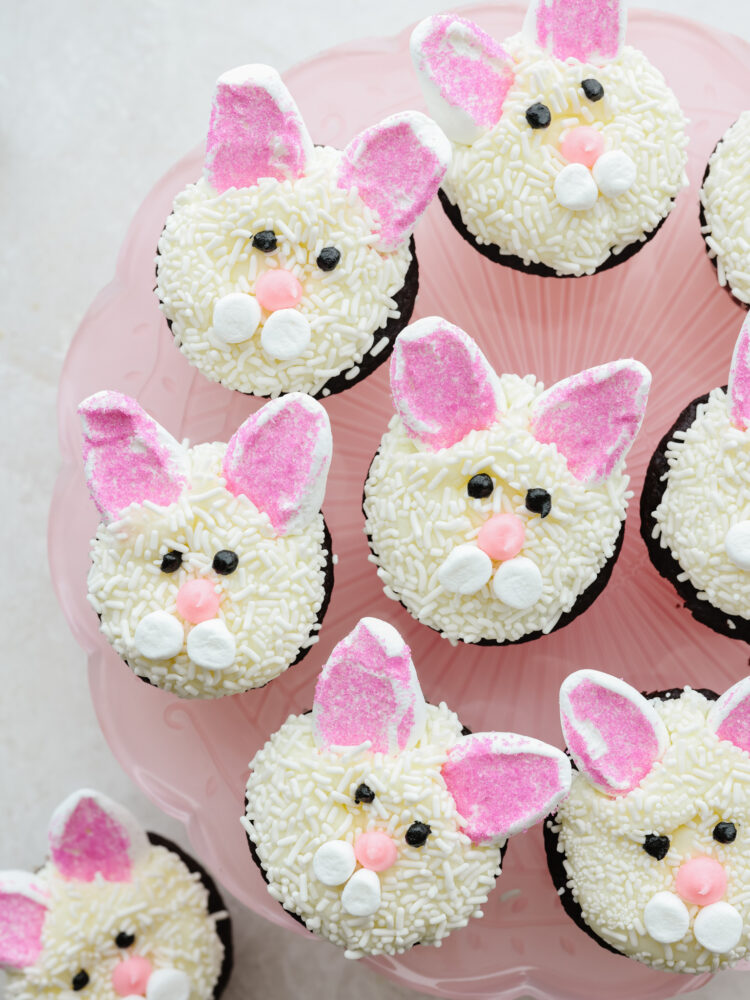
(664, 307)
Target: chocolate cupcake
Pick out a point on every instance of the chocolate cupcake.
(568, 146)
(695, 514)
(290, 267)
(650, 852)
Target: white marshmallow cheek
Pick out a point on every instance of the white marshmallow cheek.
(518, 583)
(168, 984)
(718, 927)
(211, 645)
(737, 544)
(465, 570)
(575, 188)
(159, 636)
(334, 862)
(361, 895)
(666, 918)
(285, 334)
(614, 173)
(236, 318)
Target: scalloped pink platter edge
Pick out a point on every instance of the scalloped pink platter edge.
(191, 758)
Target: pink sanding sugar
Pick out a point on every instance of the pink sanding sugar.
(579, 28)
(739, 379)
(476, 81)
(92, 842)
(21, 923)
(736, 725)
(441, 387)
(250, 137)
(629, 738)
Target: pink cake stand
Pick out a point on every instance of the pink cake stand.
(664, 307)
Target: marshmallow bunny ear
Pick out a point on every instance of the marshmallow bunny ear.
(91, 835)
(368, 691)
(279, 459)
(396, 167)
(464, 74)
(593, 417)
(739, 379)
(128, 457)
(442, 385)
(587, 30)
(255, 131)
(613, 733)
(503, 783)
(23, 908)
(729, 717)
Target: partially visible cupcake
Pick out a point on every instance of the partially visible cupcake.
(695, 504)
(650, 852)
(115, 912)
(290, 267)
(377, 820)
(495, 508)
(725, 209)
(569, 148)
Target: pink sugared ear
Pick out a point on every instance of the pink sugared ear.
(442, 385)
(503, 783)
(368, 691)
(739, 379)
(593, 417)
(128, 457)
(89, 834)
(23, 907)
(587, 30)
(279, 459)
(396, 167)
(612, 732)
(464, 74)
(255, 130)
(729, 717)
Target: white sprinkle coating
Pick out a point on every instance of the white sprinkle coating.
(163, 905)
(418, 511)
(270, 603)
(725, 197)
(708, 491)
(503, 182)
(700, 781)
(300, 797)
(206, 252)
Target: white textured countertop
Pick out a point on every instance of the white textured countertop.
(99, 99)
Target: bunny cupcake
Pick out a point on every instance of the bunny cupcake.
(212, 567)
(494, 509)
(287, 266)
(725, 209)
(568, 146)
(115, 912)
(651, 851)
(376, 819)
(695, 505)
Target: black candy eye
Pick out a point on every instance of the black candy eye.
(328, 258)
(225, 562)
(725, 833)
(171, 561)
(363, 793)
(538, 116)
(592, 89)
(125, 940)
(265, 240)
(657, 847)
(80, 979)
(538, 501)
(417, 834)
(479, 487)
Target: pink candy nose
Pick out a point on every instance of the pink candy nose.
(375, 850)
(131, 976)
(502, 536)
(278, 289)
(701, 880)
(197, 601)
(582, 145)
